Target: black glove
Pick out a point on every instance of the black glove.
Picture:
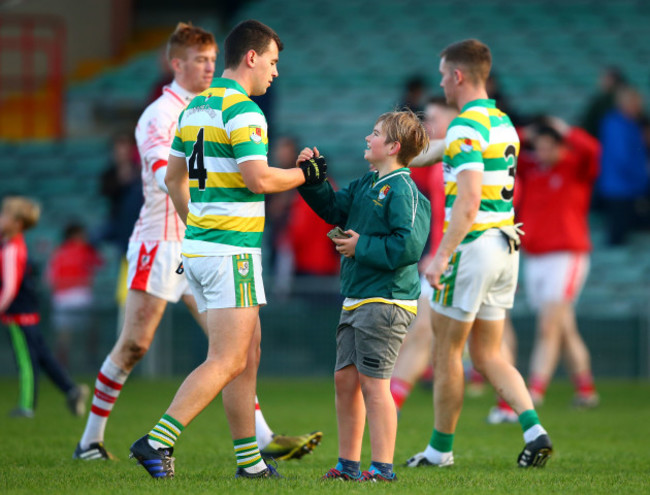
(315, 170)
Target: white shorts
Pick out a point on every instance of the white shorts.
(226, 281)
(555, 277)
(480, 281)
(152, 269)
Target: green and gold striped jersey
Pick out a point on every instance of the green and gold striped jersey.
(220, 129)
(482, 138)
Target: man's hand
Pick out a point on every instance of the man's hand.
(347, 246)
(434, 272)
(314, 169)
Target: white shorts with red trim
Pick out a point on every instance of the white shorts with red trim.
(152, 269)
(554, 277)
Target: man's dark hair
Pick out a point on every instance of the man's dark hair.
(248, 35)
(73, 229)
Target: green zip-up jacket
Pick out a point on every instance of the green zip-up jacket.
(392, 218)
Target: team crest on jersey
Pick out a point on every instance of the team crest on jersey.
(383, 192)
(255, 133)
(466, 145)
(243, 267)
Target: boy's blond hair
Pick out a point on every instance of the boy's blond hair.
(23, 209)
(187, 36)
(404, 127)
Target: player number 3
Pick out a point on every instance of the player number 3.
(510, 155)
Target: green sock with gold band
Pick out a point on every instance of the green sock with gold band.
(248, 455)
(165, 433)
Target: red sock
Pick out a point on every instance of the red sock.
(400, 390)
(584, 383)
(475, 377)
(503, 405)
(427, 375)
(537, 385)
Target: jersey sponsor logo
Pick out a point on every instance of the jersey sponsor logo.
(243, 267)
(466, 145)
(383, 192)
(255, 133)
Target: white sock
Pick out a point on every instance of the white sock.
(533, 432)
(107, 388)
(435, 456)
(262, 431)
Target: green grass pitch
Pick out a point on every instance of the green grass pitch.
(606, 450)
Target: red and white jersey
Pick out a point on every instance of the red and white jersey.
(154, 133)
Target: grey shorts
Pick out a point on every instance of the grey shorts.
(370, 336)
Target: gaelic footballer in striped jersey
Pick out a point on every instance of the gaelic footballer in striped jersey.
(217, 175)
(474, 271)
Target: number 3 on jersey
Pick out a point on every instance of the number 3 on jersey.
(508, 190)
(196, 168)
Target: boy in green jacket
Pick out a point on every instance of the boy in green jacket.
(386, 223)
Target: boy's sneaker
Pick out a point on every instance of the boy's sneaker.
(335, 474)
(498, 415)
(585, 401)
(159, 463)
(94, 451)
(269, 472)
(536, 453)
(376, 476)
(420, 460)
(76, 399)
(283, 448)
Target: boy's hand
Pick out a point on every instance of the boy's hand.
(306, 154)
(314, 170)
(347, 246)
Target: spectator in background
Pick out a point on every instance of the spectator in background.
(299, 242)
(121, 185)
(624, 178)
(313, 253)
(20, 313)
(610, 80)
(414, 94)
(70, 273)
(278, 207)
(554, 189)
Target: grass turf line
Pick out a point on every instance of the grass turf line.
(598, 451)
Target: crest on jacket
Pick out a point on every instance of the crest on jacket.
(383, 192)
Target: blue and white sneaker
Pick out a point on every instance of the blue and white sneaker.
(159, 463)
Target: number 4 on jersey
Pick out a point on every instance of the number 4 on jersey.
(196, 168)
